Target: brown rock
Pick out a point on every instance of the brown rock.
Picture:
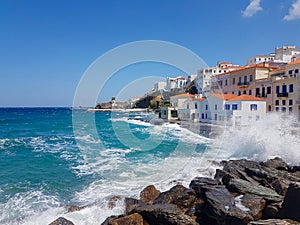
(72, 208)
(133, 219)
(149, 194)
(273, 222)
(61, 221)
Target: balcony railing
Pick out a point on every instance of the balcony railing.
(279, 95)
(243, 84)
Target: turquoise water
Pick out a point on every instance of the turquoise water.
(47, 164)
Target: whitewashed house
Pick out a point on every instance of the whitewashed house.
(178, 100)
(191, 110)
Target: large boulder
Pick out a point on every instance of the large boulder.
(133, 219)
(149, 194)
(274, 222)
(199, 182)
(245, 187)
(223, 207)
(61, 221)
(164, 214)
(291, 204)
(178, 195)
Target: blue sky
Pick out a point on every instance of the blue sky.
(45, 46)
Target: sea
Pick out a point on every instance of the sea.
(53, 158)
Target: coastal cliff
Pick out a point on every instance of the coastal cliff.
(242, 192)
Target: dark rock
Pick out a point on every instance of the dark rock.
(199, 183)
(113, 202)
(291, 203)
(132, 203)
(164, 214)
(61, 221)
(272, 211)
(133, 219)
(178, 195)
(243, 187)
(149, 194)
(274, 222)
(276, 163)
(255, 204)
(223, 207)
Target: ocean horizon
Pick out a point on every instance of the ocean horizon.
(51, 158)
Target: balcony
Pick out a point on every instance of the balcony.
(282, 95)
(240, 84)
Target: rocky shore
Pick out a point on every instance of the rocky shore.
(242, 192)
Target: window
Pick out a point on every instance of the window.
(216, 107)
(205, 115)
(291, 102)
(233, 80)
(239, 93)
(290, 71)
(188, 106)
(277, 89)
(234, 106)
(227, 107)
(202, 116)
(206, 107)
(174, 113)
(296, 70)
(277, 109)
(245, 79)
(240, 79)
(165, 112)
(290, 109)
(291, 88)
(233, 92)
(284, 89)
(226, 82)
(216, 117)
(251, 78)
(250, 92)
(244, 92)
(283, 102)
(196, 106)
(283, 109)
(253, 107)
(269, 90)
(277, 102)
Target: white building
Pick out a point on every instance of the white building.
(228, 109)
(160, 85)
(178, 100)
(174, 83)
(191, 110)
(282, 54)
(203, 79)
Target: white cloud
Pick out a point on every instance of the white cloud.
(252, 8)
(294, 12)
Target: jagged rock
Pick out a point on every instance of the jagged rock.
(113, 202)
(149, 194)
(276, 163)
(132, 203)
(199, 182)
(133, 219)
(61, 221)
(291, 203)
(164, 214)
(223, 207)
(243, 187)
(272, 211)
(273, 222)
(109, 220)
(178, 195)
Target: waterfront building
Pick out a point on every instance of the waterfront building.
(229, 109)
(191, 110)
(178, 100)
(175, 83)
(168, 113)
(160, 85)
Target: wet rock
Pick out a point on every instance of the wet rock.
(61, 221)
(164, 214)
(178, 195)
(276, 163)
(223, 207)
(112, 202)
(199, 182)
(132, 203)
(149, 194)
(274, 222)
(109, 220)
(272, 211)
(73, 208)
(291, 203)
(133, 219)
(243, 187)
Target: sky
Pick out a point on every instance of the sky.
(46, 46)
